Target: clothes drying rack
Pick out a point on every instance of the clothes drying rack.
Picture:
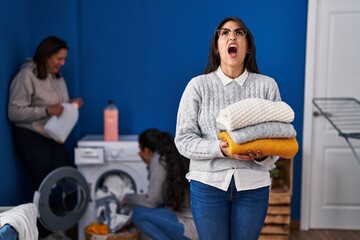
(344, 115)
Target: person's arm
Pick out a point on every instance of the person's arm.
(154, 195)
(78, 101)
(273, 93)
(20, 98)
(188, 137)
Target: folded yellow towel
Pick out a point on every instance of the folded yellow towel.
(282, 147)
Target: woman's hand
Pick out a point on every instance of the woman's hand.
(257, 155)
(224, 148)
(55, 110)
(250, 155)
(78, 101)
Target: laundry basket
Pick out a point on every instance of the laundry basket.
(129, 232)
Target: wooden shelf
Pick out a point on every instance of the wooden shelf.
(274, 237)
(279, 199)
(277, 222)
(283, 183)
(277, 219)
(282, 210)
(277, 229)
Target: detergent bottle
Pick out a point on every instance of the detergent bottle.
(111, 130)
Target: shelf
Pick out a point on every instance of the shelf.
(281, 229)
(281, 210)
(273, 237)
(279, 198)
(277, 221)
(282, 184)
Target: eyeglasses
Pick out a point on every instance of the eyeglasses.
(225, 32)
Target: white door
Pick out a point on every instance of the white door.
(331, 172)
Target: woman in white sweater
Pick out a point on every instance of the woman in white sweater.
(229, 193)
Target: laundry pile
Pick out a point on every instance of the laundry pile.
(258, 124)
(108, 198)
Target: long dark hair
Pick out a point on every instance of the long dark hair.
(44, 51)
(214, 58)
(176, 165)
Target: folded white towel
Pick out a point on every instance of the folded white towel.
(23, 219)
(252, 111)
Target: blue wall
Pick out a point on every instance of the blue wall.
(141, 54)
(14, 45)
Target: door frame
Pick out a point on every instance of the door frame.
(308, 114)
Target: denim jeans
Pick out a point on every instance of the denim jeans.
(158, 223)
(7, 232)
(235, 215)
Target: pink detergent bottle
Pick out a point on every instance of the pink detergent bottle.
(111, 132)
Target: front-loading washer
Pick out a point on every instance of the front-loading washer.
(95, 159)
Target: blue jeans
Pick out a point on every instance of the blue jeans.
(7, 232)
(158, 223)
(235, 215)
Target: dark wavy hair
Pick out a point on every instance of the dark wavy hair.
(214, 58)
(44, 51)
(176, 165)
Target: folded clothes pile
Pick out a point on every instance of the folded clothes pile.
(258, 124)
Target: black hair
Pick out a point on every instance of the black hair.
(176, 165)
(214, 59)
(44, 51)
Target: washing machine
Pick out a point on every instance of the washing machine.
(74, 189)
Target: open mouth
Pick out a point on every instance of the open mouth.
(232, 50)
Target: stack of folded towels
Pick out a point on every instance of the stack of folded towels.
(258, 124)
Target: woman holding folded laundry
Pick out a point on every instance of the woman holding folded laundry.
(163, 212)
(229, 191)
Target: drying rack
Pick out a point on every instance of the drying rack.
(344, 116)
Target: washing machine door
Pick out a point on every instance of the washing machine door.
(62, 199)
